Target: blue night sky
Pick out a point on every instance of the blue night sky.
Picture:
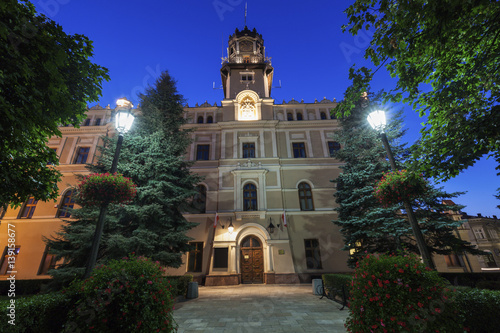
(137, 40)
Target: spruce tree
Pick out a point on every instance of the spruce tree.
(153, 156)
(368, 227)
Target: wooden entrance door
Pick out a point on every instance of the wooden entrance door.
(252, 260)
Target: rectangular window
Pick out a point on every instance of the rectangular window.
(313, 256)
(98, 122)
(220, 257)
(333, 147)
(3, 209)
(52, 162)
(452, 260)
(29, 208)
(248, 150)
(299, 150)
(82, 155)
(86, 122)
(9, 257)
(48, 262)
(489, 261)
(195, 257)
(493, 233)
(202, 152)
(479, 233)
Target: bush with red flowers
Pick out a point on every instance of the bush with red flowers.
(397, 293)
(396, 186)
(128, 295)
(100, 188)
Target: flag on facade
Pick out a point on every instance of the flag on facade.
(283, 218)
(216, 220)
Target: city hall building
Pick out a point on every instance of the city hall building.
(264, 209)
(266, 171)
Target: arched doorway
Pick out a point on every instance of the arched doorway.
(252, 260)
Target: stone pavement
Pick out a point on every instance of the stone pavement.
(259, 308)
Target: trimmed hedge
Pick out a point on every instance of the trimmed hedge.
(179, 284)
(480, 309)
(469, 279)
(333, 284)
(47, 313)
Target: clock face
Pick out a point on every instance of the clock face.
(246, 46)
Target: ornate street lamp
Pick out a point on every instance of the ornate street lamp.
(271, 226)
(230, 228)
(377, 121)
(123, 122)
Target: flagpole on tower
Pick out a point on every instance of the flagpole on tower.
(246, 14)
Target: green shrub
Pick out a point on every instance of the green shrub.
(492, 285)
(47, 313)
(128, 295)
(392, 293)
(179, 284)
(333, 284)
(480, 309)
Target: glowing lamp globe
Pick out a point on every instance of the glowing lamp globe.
(124, 117)
(377, 120)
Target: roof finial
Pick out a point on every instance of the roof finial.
(246, 14)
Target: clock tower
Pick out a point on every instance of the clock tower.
(246, 66)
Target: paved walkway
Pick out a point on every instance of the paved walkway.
(259, 308)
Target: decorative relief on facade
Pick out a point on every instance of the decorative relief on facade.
(247, 105)
(249, 164)
(247, 109)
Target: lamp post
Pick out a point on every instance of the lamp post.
(377, 121)
(123, 122)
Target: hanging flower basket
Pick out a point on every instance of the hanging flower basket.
(394, 187)
(101, 188)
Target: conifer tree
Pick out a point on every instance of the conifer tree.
(152, 155)
(366, 225)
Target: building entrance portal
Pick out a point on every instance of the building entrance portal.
(252, 260)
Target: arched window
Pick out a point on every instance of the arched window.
(299, 116)
(29, 208)
(200, 120)
(210, 119)
(249, 197)
(305, 197)
(289, 116)
(67, 202)
(200, 199)
(323, 115)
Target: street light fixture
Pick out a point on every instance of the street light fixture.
(377, 121)
(230, 228)
(123, 122)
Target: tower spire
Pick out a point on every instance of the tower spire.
(246, 14)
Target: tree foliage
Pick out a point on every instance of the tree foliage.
(152, 156)
(365, 224)
(46, 79)
(446, 57)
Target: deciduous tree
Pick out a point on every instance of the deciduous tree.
(446, 57)
(46, 79)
